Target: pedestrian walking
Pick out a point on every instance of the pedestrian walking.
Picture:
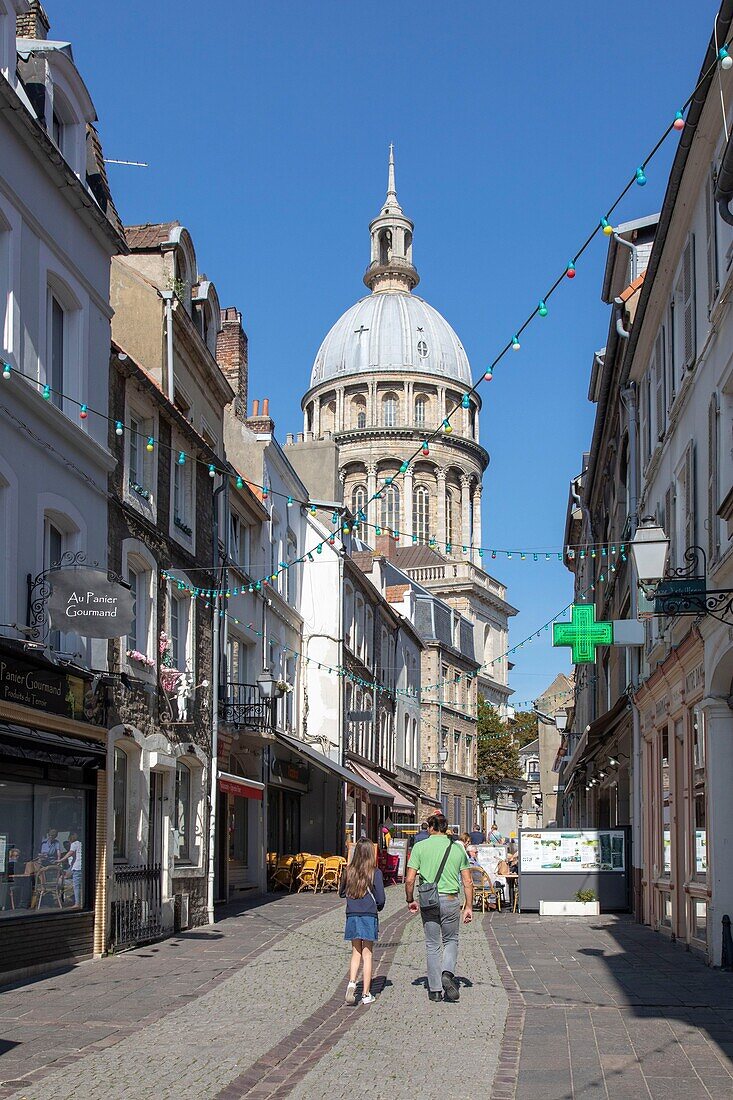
(421, 834)
(363, 888)
(442, 865)
(478, 836)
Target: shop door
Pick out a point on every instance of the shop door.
(291, 822)
(155, 819)
(273, 822)
(221, 885)
(238, 840)
(680, 871)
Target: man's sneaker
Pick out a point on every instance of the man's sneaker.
(434, 996)
(367, 999)
(350, 998)
(451, 992)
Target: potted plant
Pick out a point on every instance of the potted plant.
(585, 905)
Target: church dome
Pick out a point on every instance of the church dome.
(392, 330)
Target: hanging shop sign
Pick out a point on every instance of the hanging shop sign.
(290, 771)
(87, 602)
(46, 689)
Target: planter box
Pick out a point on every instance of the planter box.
(570, 909)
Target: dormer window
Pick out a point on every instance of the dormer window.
(57, 132)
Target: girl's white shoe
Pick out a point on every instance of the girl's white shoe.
(350, 994)
(367, 999)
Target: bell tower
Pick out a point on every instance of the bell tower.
(391, 266)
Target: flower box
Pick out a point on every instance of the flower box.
(570, 908)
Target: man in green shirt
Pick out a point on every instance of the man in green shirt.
(441, 930)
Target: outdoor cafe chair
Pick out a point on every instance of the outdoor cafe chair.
(283, 875)
(483, 889)
(309, 876)
(332, 869)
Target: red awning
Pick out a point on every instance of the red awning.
(399, 801)
(240, 787)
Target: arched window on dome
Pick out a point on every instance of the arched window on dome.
(359, 499)
(449, 513)
(390, 511)
(328, 416)
(390, 406)
(421, 513)
(358, 412)
(421, 408)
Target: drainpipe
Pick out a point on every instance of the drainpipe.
(167, 296)
(629, 398)
(634, 257)
(216, 660)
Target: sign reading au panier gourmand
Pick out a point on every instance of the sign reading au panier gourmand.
(89, 603)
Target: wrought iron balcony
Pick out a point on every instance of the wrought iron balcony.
(242, 705)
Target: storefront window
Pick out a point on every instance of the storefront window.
(697, 720)
(42, 834)
(120, 804)
(666, 830)
(182, 811)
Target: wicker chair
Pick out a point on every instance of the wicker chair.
(332, 869)
(483, 889)
(283, 874)
(309, 875)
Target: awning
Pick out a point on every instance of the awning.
(400, 802)
(425, 797)
(597, 732)
(29, 743)
(239, 786)
(376, 794)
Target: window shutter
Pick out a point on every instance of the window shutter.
(688, 303)
(713, 522)
(711, 240)
(689, 501)
(645, 420)
(670, 521)
(659, 383)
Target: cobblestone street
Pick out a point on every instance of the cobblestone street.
(254, 1008)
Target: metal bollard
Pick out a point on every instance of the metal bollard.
(726, 955)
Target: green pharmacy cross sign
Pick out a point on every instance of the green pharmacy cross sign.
(583, 634)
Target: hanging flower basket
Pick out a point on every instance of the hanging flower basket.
(141, 658)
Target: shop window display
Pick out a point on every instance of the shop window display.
(42, 841)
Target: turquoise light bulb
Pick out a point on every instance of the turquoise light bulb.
(542, 308)
(466, 401)
(181, 458)
(640, 177)
(46, 393)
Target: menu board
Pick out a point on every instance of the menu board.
(398, 847)
(572, 850)
(488, 856)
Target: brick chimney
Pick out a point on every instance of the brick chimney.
(261, 422)
(32, 23)
(231, 355)
(386, 545)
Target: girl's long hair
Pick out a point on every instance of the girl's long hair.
(360, 872)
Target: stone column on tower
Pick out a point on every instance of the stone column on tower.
(476, 526)
(406, 539)
(372, 411)
(441, 476)
(372, 505)
(342, 479)
(339, 425)
(317, 418)
(465, 509)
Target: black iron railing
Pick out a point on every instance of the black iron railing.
(242, 705)
(137, 911)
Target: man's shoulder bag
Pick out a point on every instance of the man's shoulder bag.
(427, 892)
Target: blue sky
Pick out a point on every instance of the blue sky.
(266, 126)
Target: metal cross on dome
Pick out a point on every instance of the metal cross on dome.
(583, 634)
(360, 331)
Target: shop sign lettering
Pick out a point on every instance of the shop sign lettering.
(43, 689)
(88, 603)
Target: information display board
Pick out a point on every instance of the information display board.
(555, 863)
(572, 850)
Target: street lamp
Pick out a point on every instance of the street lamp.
(561, 721)
(442, 760)
(649, 548)
(268, 687)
